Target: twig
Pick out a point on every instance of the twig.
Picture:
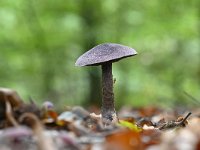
(174, 124)
(184, 119)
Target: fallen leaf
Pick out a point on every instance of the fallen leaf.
(124, 140)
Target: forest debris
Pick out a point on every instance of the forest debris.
(19, 138)
(78, 129)
(48, 111)
(9, 115)
(95, 116)
(32, 121)
(151, 137)
(174, 124)
(12, 107)
(27, 108)
(184, 139)
(144, 121)
(145, 127)
(80, 112)
(48, 114)
(22, 138)
(11, 96)
(123, 140)
(129, 125)
(9, 101)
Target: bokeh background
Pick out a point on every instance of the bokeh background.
(40, 41)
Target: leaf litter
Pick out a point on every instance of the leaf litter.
(26, 126)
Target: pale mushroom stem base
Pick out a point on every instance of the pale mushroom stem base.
(108, 107)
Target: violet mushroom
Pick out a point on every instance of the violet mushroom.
(104, 55)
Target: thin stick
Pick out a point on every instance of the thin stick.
(182, 122)
(174, 124)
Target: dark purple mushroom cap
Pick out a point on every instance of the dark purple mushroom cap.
(103, 53)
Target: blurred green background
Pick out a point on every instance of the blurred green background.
(40, 41)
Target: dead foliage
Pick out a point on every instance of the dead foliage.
(26, 126)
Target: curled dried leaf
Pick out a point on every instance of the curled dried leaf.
(11, 96)
(33, 121)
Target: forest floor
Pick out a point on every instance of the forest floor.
(26, 126)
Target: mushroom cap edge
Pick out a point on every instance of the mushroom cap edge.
(103, 53)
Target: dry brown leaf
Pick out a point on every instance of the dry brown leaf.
(124, 140)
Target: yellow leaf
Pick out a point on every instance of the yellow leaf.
(129, 125)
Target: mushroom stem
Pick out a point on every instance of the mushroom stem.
(108, 108)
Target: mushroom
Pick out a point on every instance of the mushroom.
(105, 54)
